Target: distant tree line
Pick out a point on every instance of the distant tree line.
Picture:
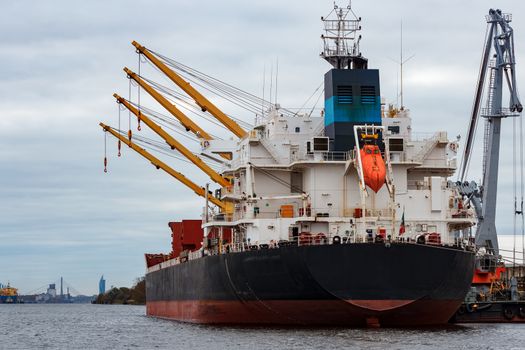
(135, 295)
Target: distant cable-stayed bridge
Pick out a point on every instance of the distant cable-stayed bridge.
(61, 287)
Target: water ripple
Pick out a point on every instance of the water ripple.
(127, 327)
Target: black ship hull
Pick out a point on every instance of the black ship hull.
(363, 284)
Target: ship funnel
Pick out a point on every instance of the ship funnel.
(352, 95)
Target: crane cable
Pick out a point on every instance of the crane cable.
(209, 80)
(185, 105)
(129, 113)
(138, 97)
(308, 100)
(161, 147)
(191, 101)
(521, 189)
(473, 123)
(246, 104)
(169, 119)
(518, 207)
(162, 90)
(219, 87)
(278, 179)
(316, 102)
(514, 194)
(119, 143)
(167, 151)
(167, 122)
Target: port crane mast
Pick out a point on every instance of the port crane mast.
(501, 68)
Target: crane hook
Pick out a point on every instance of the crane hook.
(105, 151)
(119, 147)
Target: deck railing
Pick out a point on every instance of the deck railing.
(315, 240)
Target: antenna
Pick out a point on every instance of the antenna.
(401, 62)
(397, 88)
(276, 76)
(271, 82)
(264, 83)
(401, 65)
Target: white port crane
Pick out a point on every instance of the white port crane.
(500, 67)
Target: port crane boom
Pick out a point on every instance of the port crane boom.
(174, 144)
(202, 102)
(500, 40)
(177, 113)
(161, 165)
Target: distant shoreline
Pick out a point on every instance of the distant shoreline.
(135, 295)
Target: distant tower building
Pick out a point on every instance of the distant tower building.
(61, 288)
(102, 285)
(52, 291)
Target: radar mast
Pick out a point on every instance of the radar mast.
(341, 39)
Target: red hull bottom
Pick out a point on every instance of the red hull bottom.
(357, 313)
(500, 319)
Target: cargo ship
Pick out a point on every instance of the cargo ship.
(342, 216)
(8, 294)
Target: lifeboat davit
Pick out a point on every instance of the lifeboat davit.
(374, 170)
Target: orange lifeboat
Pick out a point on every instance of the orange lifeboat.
(374, 170)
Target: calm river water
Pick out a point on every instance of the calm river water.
(127, 327)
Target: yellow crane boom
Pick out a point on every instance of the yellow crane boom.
(177, 113)
(161, 165)
(174, 144)
(202, 101)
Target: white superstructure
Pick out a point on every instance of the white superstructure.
(286, 184)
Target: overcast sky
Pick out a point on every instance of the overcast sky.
(61, 61)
